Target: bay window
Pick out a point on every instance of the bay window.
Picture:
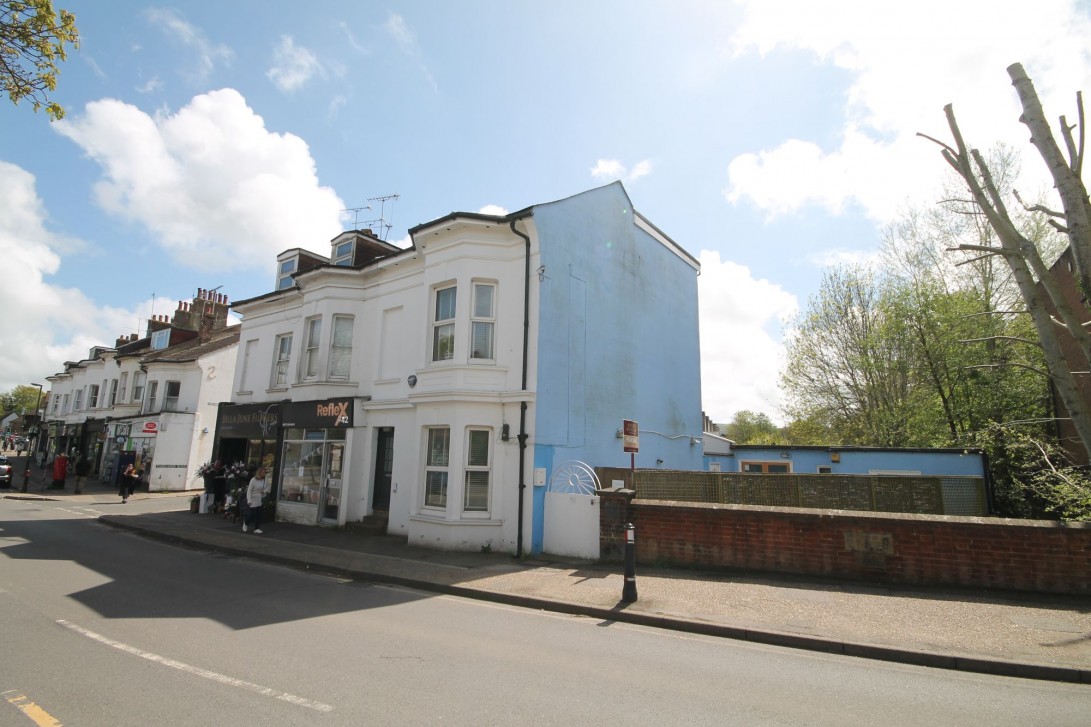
(282, 357)
(310, 354)
(341, 347)
(475, 497)
(483, 322)
(437, 461)
(443, 325)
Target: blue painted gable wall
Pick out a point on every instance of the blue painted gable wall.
(860, 462)
(617, 339)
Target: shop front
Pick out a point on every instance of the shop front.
(91, 442)
(314, 444)
(143, 437)
(118, 444)
(248, 433)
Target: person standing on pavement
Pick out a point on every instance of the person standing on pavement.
(255, 494)
(82, 468)
(126, 483)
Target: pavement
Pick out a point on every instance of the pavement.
(1027, 635)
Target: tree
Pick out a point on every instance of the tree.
(22, 399)
(32, 41)
(1020, 253)
(748, 427)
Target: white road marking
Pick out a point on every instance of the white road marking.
(197, 671)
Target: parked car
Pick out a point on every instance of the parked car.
(5, 471)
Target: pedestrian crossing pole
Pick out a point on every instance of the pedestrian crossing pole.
(628, 591)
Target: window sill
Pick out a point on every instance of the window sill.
(437, 520)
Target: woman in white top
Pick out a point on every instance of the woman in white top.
(255, 492)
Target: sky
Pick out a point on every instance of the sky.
(769, 138)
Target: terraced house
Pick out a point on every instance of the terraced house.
(150, 401)
(442, 389)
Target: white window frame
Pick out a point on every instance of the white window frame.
(153, 393)
(475, 469)
(77, 403)
(340, 352)
(124, 387)
(64, 409)
(282, 359)
(483, 320)
(284, 276)
(312, 352)
(113, 392)
(140, 382)
(344, 258)
(445, 326)
(437, 467)
(170, 403)
(160, 339)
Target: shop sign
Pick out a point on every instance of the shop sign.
(249, 421)
(329, 414)
(149, 428)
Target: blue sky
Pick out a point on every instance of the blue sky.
(768, 138)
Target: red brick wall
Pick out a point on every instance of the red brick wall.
(1026, 555)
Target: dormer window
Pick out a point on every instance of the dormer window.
(284, 275)
(342, 254)
(160, 339)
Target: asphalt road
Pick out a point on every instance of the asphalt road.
(101, 627)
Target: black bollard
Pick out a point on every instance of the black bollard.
(26, 475)
(628, 591)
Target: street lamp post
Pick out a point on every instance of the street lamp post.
(37, 439)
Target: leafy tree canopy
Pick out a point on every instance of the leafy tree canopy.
(32, 41)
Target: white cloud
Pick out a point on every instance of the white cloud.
(741, 353)
(46, 324)
(211, 182)
(493, 209)
(611, 169)
(153, 84)
(905, 63)
(293, 66)
(208, 54)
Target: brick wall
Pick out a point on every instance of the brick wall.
(1027, 555)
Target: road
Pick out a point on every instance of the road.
(102, 627)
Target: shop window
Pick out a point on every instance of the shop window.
(476, 494)
(341, 347)
(170, 396)
(437, 461)
(281, 360)
(483, 323)
(304, 453)
(310, 354)
(443, 325)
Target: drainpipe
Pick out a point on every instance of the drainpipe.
(523, 404)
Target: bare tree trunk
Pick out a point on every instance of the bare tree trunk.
(1022, 255)
(1066, 174)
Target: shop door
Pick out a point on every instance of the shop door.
(331, 482)
(384, 467)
